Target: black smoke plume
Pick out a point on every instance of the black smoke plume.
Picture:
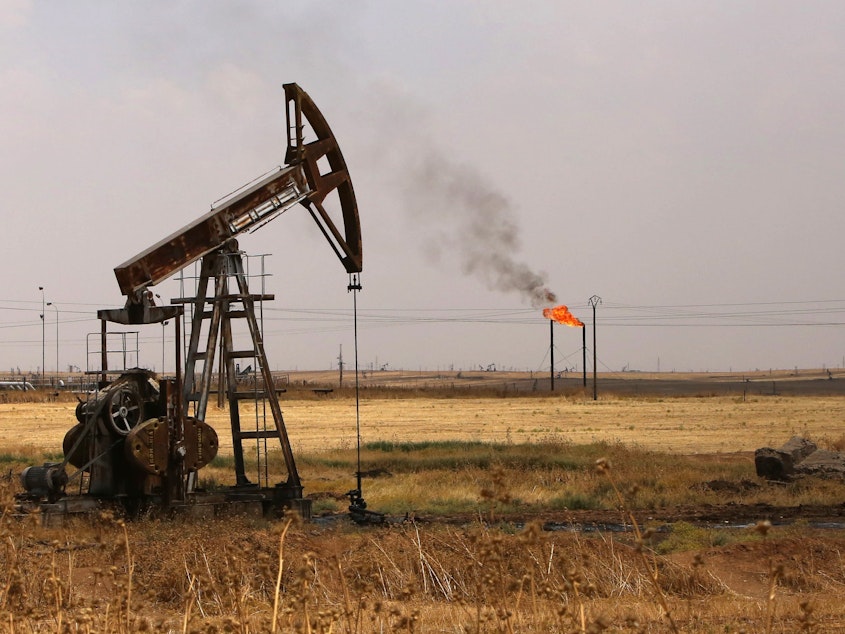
(475, 222)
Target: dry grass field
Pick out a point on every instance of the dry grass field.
(494, 464)
(674, 424)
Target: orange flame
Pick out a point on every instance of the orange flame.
(562, 315)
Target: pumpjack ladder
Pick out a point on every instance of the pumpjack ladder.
(219, 309)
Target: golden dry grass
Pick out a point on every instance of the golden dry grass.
(221, 576)
(676, 425)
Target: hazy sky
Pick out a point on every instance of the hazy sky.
(682, 160)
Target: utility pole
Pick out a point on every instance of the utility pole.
(594, 301)
(43, 335)
(53, 304)
(340, 367)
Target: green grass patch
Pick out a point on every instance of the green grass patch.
(575, 502)
(386, 446)
(684, 537)
(454, 455)
(223, 462)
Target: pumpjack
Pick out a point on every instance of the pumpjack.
(141, 439)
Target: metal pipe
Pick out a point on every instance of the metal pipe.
(163, 326)
(178, 362)
(552, 352)
(584, 351)
(104, 359)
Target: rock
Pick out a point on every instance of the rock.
(799, 448)
(772, 464)
(779, 464)
(822, 463)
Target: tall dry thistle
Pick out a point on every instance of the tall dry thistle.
(649, 564)
(775, 573)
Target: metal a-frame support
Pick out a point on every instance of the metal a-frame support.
(220, 308)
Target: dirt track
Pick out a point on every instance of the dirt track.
(716, 516)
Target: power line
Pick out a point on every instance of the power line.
(297, 321)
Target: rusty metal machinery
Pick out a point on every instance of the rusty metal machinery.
(134, 442)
